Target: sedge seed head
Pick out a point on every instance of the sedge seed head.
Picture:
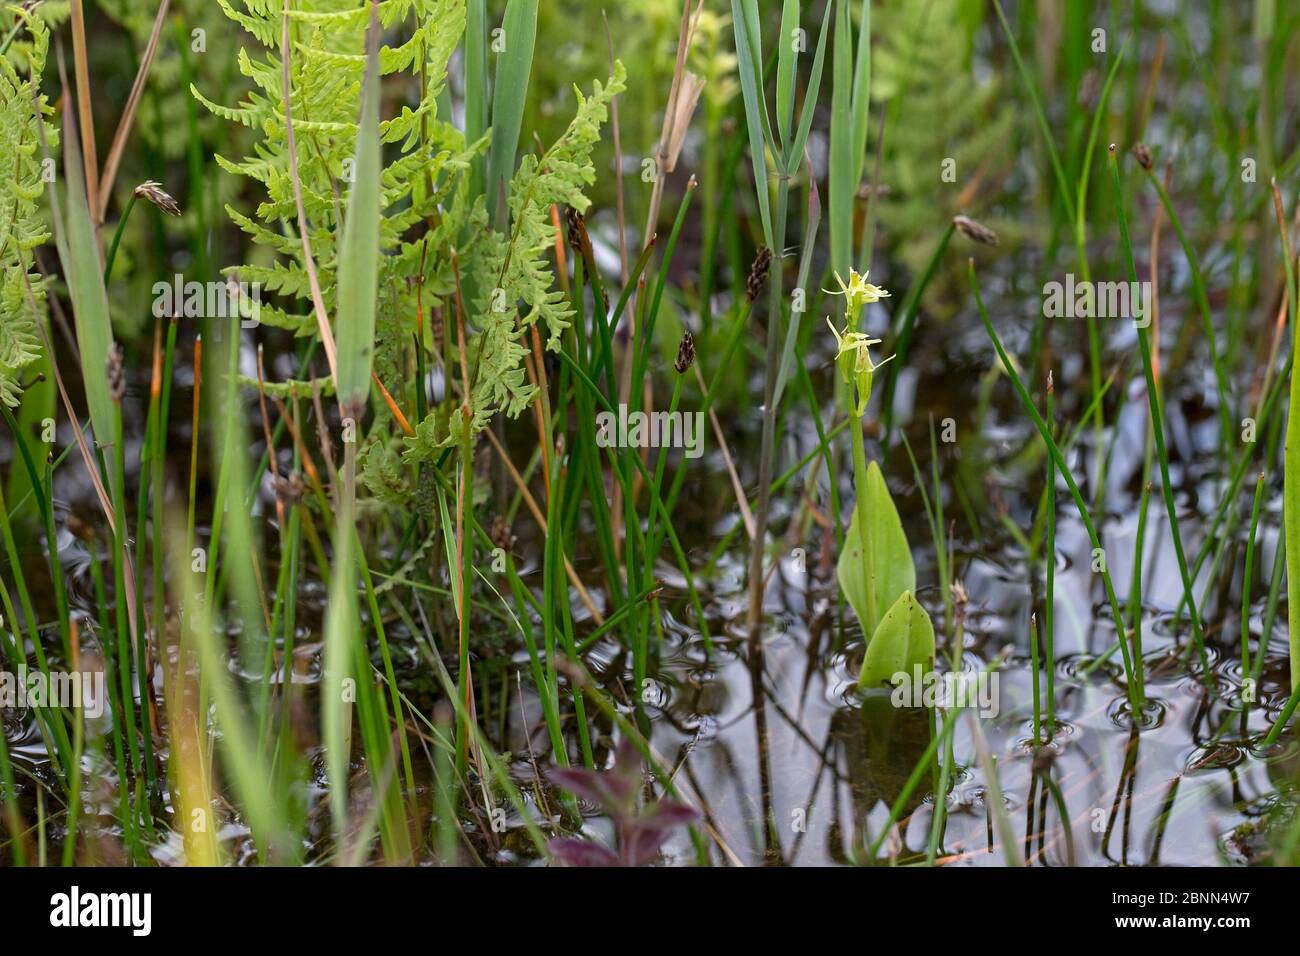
(153, 192)
(758, 273)
(975, 230)
(685, 353)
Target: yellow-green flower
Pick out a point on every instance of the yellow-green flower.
(857, 291)
(855, 363)
(857, 345)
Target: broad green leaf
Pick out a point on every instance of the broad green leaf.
(904, 639)
(875, 566)
(359, 254)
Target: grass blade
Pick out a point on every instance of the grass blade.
(1065, 472)
(79, 255)
(476, 85)
(752, 92)
(1157, 420)
(514, 65)
(128, 113)
(794, 154)
(787, 66)
(360, 254)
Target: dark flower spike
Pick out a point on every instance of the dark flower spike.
(758, 273)
(576, 228)
(685, 353)
(501, 534)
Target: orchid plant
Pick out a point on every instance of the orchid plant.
(875, 568)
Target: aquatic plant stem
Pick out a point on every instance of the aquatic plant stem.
(117, 237)
(1049, 559)
(1202, 303)
(1157, 421)
(770, 371)
(1246, 578)
(1036, 666)
(1291, 476)
(1134, 688)
(860, 506)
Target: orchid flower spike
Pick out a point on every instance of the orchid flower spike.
(853, 356)
(857, 291)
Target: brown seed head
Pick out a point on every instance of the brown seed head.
(501, 534)
(758, 273)
(154, 193)
(1143, 155)
(975, 230)
(685, 353)
(576, 227)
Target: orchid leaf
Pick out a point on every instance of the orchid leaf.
(904, 639)
(875, 565)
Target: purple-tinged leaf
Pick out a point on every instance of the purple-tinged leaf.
(614, 790)
(641, 839)
(605, 790)
(572, 851)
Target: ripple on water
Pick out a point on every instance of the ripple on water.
(1057, 736)
(1080, 670)
(700, 696)
(1165, 665)
(1219, 756)
(978, 798)
(1150, 717)
(841, 681)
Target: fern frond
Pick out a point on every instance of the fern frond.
(22, 181)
